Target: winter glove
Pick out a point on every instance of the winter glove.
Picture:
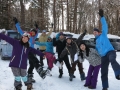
(85, 31)
(100, 12)
(15, 20)
(36, 25)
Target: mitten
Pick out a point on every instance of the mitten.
(15, 20)
(36, 25)
(101, 12)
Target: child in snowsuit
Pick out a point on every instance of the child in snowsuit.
(48, 53)
(18, 62)
(106, 51)
(94, 60)
(72, 50)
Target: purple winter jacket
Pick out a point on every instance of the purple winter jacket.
(19, 53)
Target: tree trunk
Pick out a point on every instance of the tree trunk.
(75, 17)
(62, 16)
(67, 15)
(54, 15)
(22, 15)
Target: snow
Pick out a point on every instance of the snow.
(53, 82)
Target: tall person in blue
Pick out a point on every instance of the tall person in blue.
(33, 61)
(106, 51)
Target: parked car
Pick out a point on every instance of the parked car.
(116, 43)
(6, 48)
(89, 43)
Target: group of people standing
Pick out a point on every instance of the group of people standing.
(100, 57)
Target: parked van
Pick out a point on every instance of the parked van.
(6, 48)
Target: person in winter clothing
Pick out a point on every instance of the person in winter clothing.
(18, 62)
(94, 60)
(43, 38)
(48, 53)
(33, 61)
(60, 43)
(106, 51)
(72, 49)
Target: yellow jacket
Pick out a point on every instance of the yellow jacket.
(43, 38)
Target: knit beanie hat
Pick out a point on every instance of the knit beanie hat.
(61, 33)
(95, 29)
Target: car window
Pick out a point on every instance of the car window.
(113, 40)
(118, 40)
(14, 35)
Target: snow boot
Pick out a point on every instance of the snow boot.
(30, 76)
(60, 76)
(19, 87)
(61, 73)
(29, 87)
(48, 73)
(82, 76)
(90, 87)
(85, 85)
(71, 77)
(118, 77)
(41, 72)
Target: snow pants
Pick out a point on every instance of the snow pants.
(50, 58)
(41, 58)
(80, 67)
(92, 75)
(67, 63)
(110, 57)
(20, 74)
(33, 62)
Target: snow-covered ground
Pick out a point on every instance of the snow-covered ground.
(55, 83)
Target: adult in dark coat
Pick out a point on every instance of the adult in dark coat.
(60, 43)
(72, 50)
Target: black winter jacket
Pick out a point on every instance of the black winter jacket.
(60, 45)
(72, 49)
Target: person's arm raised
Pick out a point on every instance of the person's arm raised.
(18, 26)
(103, 22)
(7, 39)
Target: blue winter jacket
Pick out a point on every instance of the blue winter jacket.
(49, 46)
(31, 40)
(103, 44)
